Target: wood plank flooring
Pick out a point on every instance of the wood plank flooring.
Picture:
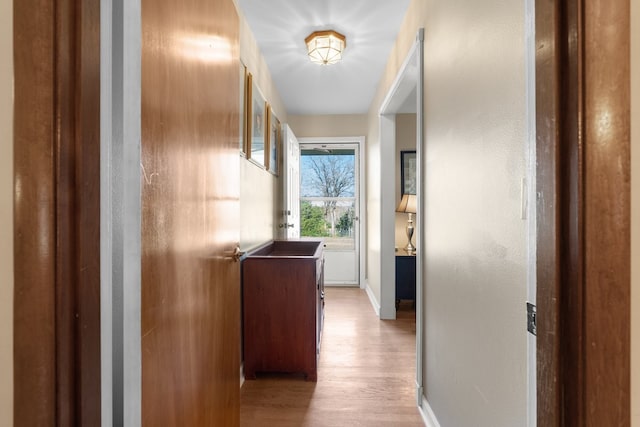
(365, 378)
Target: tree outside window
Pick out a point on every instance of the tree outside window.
(327, 176)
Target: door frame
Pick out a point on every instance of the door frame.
(121, 211)
(583, 212)
(410, 76)
(362, 242)
(529, 196)
(57, 210)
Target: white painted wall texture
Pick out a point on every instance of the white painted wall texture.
(260, 192)
(475, 255)
(476, 250)
(414, 19)
(6, 213)
(329, 125)
(635, 213)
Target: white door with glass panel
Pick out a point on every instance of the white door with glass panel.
(329, 206)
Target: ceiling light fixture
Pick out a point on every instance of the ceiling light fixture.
(325, 47)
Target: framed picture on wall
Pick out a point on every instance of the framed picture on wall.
(275, 143)
(256, 125)
(408, 172)
(242, 145)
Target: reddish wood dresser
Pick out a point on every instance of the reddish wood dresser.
(283, 303)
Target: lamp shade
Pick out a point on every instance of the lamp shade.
(325, 47)
(407, 204)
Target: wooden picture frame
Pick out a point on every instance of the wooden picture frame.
(256, 125)
(242, 143)
(274, 143)
(408, 172)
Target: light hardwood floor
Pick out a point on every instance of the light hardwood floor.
(365, 378)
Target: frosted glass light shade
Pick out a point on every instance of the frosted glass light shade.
(325, 47)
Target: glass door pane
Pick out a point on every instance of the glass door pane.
(329, 207)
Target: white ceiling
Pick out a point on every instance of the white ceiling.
(348, 87)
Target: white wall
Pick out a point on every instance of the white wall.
(259, 190)
(414, 19)
(475, 254)
(405, 140)
(373, 189)
(6, 213)
(635, 213)
(329, 125)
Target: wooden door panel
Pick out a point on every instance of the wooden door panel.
(583, 138)
(190, 210)
(57, 213)
(34, 215)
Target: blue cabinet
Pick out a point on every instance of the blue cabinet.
(405, 277)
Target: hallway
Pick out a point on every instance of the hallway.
(366, 373)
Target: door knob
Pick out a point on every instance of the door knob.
(235, 255)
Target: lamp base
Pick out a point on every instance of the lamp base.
(410, 248)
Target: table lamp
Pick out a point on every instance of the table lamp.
(408, 205)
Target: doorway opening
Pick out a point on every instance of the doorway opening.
(404, 96)
(330, 204)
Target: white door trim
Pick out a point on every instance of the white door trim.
(120, 212)
(529, 203)
(410, 75)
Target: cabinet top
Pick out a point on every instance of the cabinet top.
(403, 252)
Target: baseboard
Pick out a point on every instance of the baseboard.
(373, 300)
(427, 414)
(341, 285)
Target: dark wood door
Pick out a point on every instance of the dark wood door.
(583, 186)
(190, 210)
(57, 212)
